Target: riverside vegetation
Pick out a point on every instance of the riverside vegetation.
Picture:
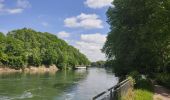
(139, 42)
(22, 48)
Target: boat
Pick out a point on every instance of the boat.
(80, 67)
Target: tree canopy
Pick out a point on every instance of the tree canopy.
(27, 47)
(140, 36)
(98, 64)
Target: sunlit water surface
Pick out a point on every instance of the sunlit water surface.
(62, 85)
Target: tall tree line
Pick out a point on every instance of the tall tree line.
(26, 47)
(139, 37)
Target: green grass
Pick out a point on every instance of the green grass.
(143, 94)
(144, 90)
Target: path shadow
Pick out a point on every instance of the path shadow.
(162, 92)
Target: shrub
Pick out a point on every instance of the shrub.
(144, 84)
(144, 90)
(135, 75)
(163, 79)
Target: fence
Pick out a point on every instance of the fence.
(116, 92)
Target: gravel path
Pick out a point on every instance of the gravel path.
(161, 93)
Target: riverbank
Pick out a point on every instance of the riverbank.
(30, 69)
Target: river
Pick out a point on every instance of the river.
(62, 85)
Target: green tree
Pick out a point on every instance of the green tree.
(27, 47)
(139, 36)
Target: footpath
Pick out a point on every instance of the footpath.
(161, 93)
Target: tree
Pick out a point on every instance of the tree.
(139, 36)
(27, 47)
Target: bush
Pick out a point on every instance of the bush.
(144, 90)
(144, 84)
(135, 75)
(143, 87)
(15, 62)
(163, 79)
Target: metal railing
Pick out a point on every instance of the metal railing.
(115, 92)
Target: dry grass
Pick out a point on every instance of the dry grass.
(129, 95)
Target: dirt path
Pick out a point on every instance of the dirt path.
(161, 93)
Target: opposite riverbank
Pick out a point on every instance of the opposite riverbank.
(30, 69)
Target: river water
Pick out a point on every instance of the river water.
(62, 85)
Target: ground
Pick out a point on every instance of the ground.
(161, 93)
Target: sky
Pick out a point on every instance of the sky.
(81, 23)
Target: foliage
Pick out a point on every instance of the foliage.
(163, 79)
(27, 47)
(144, 84)
(144, 90)
(135, 75)
(98, 64)
(140, 36)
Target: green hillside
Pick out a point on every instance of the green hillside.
(27, 47)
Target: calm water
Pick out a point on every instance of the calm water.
(63, 85)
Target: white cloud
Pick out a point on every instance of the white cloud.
(71, 22)
(63, 34)
(87, 21)
(94, 38)
(14, 11)
(87, 16)
(98, 3)
(91, 45)
(45, 24)
(20, 6)
(23, 3)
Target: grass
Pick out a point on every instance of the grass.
(129, 95)
(144, 90)
(143, 94)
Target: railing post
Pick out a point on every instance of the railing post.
(111, 94)
(116, 92)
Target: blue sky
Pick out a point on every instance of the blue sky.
(81, 23)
